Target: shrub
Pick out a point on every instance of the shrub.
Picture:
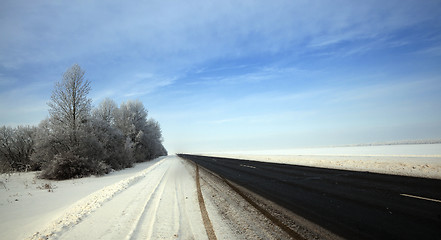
(68, 165)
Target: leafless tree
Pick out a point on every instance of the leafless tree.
(16, 147)
(67, 147)
(76, 141)
(69, 105)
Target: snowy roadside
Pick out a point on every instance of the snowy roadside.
(419, 160)
(27, 203)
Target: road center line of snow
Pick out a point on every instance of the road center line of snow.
(423, 198)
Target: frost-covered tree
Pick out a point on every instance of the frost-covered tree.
(115, 151)
(47, 144)
(67, 147)
(145, 135)
(117, 147)
(155, 139)
(130, 118)
(70, 105)
(105, 111)
(76, 141)
(16, 148)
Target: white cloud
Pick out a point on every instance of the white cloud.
(143, 84)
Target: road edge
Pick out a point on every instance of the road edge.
(206, 219)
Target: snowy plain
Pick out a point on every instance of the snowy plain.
(418, 160)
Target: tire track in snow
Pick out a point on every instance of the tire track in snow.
(172, 219)
(166, 213)
(88, 205)
(162, 205)
(136, 231)
(167, 218)
(187, 203)
(179, 206)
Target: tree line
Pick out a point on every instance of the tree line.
(77, 140)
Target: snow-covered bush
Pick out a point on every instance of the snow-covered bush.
(47, 144)
(68, 165)
(114, 151)
(55, 150)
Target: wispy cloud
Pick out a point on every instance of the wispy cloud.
(177, 33)
(132, 85)
(253, 75)
(145, 83)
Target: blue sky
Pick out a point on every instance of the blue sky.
(235, 75)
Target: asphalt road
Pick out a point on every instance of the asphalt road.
(353, 205)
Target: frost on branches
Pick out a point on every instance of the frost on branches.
(76, 140)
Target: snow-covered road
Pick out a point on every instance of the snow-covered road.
(161, 204)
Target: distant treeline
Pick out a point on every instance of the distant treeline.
(404, 142)
(77, 140)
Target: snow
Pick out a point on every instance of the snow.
(29, 205)
(419, 160)
(153, 200)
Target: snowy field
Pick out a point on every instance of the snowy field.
(420, 160)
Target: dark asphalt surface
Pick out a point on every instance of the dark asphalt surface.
(353, 205)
